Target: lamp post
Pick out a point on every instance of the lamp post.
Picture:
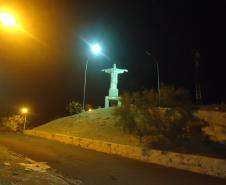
(7, 20)
(96, 50)
(24, 111)
(157, 68)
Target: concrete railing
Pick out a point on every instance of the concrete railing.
(194, 163)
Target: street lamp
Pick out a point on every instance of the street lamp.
(157, 67)
(8, 20)
(96, 50)
(24, 111)
(10, 23)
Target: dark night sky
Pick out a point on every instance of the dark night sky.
(47, 76)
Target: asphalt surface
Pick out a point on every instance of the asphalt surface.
(96, 168)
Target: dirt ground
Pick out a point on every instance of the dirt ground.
(100, 124)
(16, 169)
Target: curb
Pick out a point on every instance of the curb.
(194, 163)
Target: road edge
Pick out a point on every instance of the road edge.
(194, 163)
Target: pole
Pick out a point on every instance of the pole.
(158, 80)
(25, 120)
(158, 83)
(84, 88)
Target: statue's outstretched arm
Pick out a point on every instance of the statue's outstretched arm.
(122, 70)
(106, 70)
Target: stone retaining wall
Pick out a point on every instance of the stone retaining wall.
(216, 128)
(194, 163)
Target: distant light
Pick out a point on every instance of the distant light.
(24, 110)
(90, 110)
(7, 20)
(96, 49)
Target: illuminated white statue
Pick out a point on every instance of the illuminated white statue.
(113, 91)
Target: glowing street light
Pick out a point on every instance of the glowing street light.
(10, 23)
(7, 20)
(24, 111)
(96, 50)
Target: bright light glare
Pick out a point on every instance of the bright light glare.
(7, 20)
(24, 110)
(90, 110)
(96, 49)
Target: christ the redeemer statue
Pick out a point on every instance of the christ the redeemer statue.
(113, 91)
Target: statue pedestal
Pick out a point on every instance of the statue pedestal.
(113, 92)
(108, 99)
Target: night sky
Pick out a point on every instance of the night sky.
(46, 71)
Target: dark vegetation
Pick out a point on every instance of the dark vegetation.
(172, 126)
(12, 123)
(75, 107)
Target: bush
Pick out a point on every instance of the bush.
(172, 96)
(74, 108)
(160, 127)
(14, 123)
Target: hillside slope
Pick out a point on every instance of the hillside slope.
(100, 124)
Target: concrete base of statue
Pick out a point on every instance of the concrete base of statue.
(109, 99)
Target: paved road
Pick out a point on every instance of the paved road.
(95, 168)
